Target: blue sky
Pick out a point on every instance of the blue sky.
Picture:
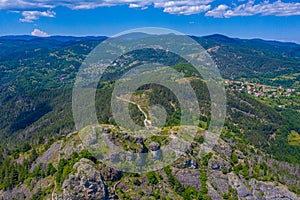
(267, 19)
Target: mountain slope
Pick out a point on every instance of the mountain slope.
(38, 139)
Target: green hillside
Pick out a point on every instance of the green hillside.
(37, 76)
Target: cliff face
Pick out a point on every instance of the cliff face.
(224, 174)
(85, 182)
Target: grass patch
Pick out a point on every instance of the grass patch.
(294, 138)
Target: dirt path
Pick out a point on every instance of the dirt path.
(147, 122)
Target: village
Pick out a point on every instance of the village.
(258, 90)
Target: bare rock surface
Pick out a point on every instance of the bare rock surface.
(86, 183)
(21, 192)
(188, 177)
(50, 154)
(213, 193)
(219, 181)
(269, 190)
(219, 164)
(74, 145)
(242, 190)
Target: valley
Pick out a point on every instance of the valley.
(43, 156)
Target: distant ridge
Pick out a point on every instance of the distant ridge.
(283, 48)
(18, 37)
(221, 38)
(72, 38)
(277, 43)
(55, 37)
(216, 37)
(224, 38)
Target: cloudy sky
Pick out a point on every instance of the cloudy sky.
(267, 19)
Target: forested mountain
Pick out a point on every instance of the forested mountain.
(259, 146)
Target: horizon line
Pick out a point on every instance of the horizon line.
(83, 36)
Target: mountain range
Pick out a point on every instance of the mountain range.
(42, 155)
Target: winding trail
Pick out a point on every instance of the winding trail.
(147, 122)
(116, 184)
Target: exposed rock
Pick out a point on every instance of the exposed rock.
(219, 164)
(23, 192)
(191, 163)
(50, 154)
(219, 181)
(188, 177)
(242, 191)
(213, 193)
(74, 145)
(269, 190)
(156, 155)
(281, 168)
(154, 146)
(110, 174)
(223, 149)
(89, 137)
(155, 151)
(86, 183)
(186, 162)
(16, 193)
(239, 154)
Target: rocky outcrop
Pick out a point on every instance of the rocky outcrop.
(191, 163)
(269, 190)
(218, 185)
(86, 183)
(186, 162)
(21, 192)
(242, 191)
(219, 181)
(213, 193)
(239, 154)
(223, 149)
(155, 151)
(74, 145)
(219, 164)
(110, 174)
(51, 154)
(188, 177)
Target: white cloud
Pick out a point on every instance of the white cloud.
(187, 10)
(133, 5)
(25, 4)
(181, 7)
(218, 12)
(30, 16)
(277, 8)
(185, 7)
(39, 33)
